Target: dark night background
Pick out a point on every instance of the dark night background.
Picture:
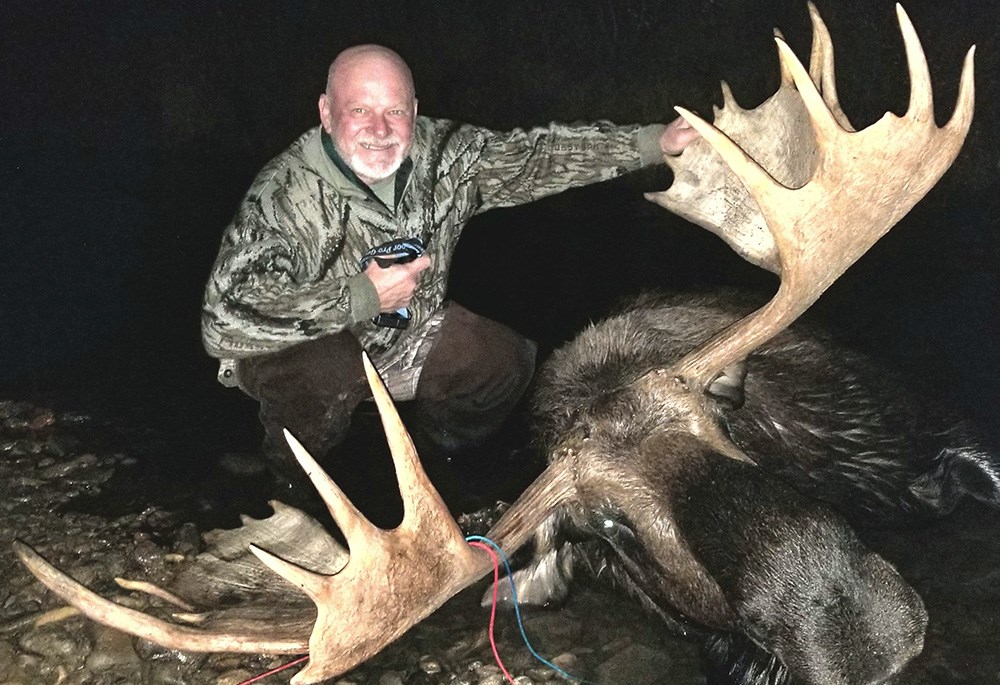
(130, 130)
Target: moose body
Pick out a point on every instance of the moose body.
(744, 558)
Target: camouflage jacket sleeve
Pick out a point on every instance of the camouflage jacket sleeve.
(272, 285)
(524, 165)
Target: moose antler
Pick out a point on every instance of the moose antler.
(813, 194)
(391, 581)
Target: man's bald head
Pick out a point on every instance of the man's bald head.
(369, 110)
(368, 59)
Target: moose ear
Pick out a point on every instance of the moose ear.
(727, 387)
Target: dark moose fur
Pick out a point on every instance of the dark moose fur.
(771, 580)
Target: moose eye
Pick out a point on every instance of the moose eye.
(612, 526)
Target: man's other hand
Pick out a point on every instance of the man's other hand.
(679, 135)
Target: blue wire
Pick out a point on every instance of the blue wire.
(517, 611)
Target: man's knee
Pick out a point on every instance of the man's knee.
(473, 378)
(477, 359)
(327, 365)
(311, 389)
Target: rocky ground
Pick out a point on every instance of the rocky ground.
(55, 467)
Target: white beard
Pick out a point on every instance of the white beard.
(373, 172)
(377, 171)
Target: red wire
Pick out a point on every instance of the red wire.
(275, 670)
(493, 609)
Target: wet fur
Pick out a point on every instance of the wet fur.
(825, 418)
(773, 582)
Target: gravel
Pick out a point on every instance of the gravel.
(50, 462)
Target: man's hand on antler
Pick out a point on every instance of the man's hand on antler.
(678, 135)
(395, 283)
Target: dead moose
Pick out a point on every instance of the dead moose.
(673, 452)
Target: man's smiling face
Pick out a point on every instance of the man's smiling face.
(369, 110)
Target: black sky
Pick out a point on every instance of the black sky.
(130, 130)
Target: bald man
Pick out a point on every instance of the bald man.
(304, 280)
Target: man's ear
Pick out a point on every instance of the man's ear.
(415, 101)
(324, 113)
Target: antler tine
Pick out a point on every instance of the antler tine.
(312, 584)
(862, 184)
(961, 118)
(921, 107)
(265, 639)
(824, 123)
(154, 590)
(421, 501)
(786, 76)
(358, 531)
(821, 67)
(728, 99)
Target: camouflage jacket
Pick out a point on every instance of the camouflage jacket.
(288, 268)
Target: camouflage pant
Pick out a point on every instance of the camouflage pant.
(472, 375)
